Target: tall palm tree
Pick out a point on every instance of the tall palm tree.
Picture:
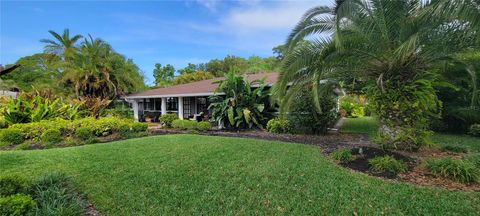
(62, 45)
(392, 46)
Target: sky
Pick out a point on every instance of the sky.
(149, 32)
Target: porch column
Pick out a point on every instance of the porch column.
(135, 109)
(164, 105)
(180, 107)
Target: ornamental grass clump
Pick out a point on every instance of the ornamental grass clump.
(387, 163)
(458, 170)
(342, 155)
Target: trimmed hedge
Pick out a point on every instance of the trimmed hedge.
(12, 136)
(191, 125)
(54, 131)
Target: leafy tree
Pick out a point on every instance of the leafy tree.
(386, 44)
(190, 68)
(36, 72)
(234, 64)
(215, 67)
(241, 106)
(191, 77)
(63, 46)
(163, 75)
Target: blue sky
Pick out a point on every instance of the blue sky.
(149, 32)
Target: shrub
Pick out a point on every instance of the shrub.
(51, 136)
(55, 195)
(12, 184)
(139, 127)
(387, 164)
(204, 126)
(185, 124)
(11, 136)
(3, 124)
(474, 130)
(125, 130)
(457, 149)
(18, 204)
(278, 125)
(84, 133)
(342, 155)
(458, 170)
(167, 119)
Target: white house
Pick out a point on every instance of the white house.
(187, 100)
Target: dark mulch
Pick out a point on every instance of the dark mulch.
(363, 154)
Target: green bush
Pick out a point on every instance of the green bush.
(55, 194)
(457, 149)
(52, 136)
(167, 119)
(84, 133)
(12, 184)
(278, 125)
(125, 130)
(204, 126)
(474, 130)
(17, 204)
(184, 124)
(11, 136)
(458, 170)
(139, 127)
(3, 124)
(387, 164)
(342, 155)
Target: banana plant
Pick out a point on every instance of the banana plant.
(236, 104)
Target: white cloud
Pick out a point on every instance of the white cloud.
(209, 4)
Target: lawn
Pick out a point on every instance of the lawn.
(369, 125)
(193, 174)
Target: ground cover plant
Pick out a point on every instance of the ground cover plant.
(51, 194)
(458, 170)
(192, 174)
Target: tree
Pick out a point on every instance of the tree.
(237, 105)
(215, 67)
(190, 68)
(63, 46)
(191, 77)
(388, 45)
(38, 71)
(100, 72)
(163, 75)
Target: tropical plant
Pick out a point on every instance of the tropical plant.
(191, 77)
(236, 104)
(388, 45)
(63, 46)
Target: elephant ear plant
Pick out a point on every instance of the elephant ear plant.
(236, 104)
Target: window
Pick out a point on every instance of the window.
(202, 105)
(188, 107)
(158, 104)
(172, 104)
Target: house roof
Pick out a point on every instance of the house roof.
(199, 88)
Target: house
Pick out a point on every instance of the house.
(187, 100)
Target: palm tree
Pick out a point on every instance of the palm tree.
(63, 45)
(392, 46)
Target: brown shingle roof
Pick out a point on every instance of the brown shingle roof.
(199, 88)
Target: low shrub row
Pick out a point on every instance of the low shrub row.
(52, 194)
(279, 125)
(167, 119)
(64, 132)
(191, 125)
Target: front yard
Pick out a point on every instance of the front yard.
(192, 174)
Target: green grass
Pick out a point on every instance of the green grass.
(470, 142)
(365, 125)
(193, 174)
(369, 125)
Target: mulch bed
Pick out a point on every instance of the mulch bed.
(361, 147)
